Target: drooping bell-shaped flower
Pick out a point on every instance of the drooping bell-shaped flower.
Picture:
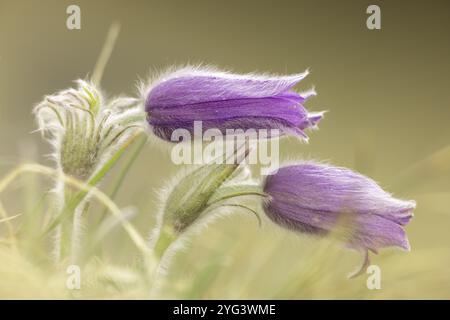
(222, 101)
(83, 128)
(314, 198)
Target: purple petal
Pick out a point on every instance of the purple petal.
(375, 231)
(272, 108)
(316, 195)
(193, 88)
(226, 101)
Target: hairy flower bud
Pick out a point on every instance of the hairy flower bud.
(83, 129)
(198, 192)
(224, 101)
(312, 197)
(189, 197)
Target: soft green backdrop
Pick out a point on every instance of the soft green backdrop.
(387, 92)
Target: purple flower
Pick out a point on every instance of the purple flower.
(311, 198)
(227, 101)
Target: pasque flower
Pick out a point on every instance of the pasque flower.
(86, 133)
(224, 101)
(83, 128)
(313, 198)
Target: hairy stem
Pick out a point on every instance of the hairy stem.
(68, 232)
(165, 238)
(164, 245)
(76, 236)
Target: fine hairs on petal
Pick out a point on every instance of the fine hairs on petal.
(314, 198)
(308, 93)
(293, 161)
(179, 98)
(173, 72)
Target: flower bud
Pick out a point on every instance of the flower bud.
(224, 101)
(189, 197)
(83, 129)
(312, 198)
(193, 195)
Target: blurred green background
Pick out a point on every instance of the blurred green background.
(387, 92)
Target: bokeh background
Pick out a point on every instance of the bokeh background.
(388, 96)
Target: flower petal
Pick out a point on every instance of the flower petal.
(315, 198)
(196, 87)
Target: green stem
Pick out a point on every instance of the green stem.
(123, 172)
(75, 245)
(166, 237)
(95, 248)
(69, 230)
(64, 229)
